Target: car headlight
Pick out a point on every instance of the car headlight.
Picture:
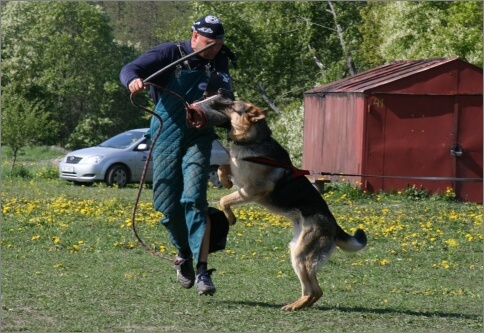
(93, 159)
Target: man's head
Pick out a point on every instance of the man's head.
(206, 30)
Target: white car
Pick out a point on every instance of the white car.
(120, 160)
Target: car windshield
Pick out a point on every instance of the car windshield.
(123, 140)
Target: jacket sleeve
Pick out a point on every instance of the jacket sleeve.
(148, 63)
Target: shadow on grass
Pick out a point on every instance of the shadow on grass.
(363, 310)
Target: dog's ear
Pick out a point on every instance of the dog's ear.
(255, 113)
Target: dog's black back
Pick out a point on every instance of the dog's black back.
(292, 192)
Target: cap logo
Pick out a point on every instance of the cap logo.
(206, 30)
(212, 19)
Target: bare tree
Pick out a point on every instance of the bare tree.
(339, 31)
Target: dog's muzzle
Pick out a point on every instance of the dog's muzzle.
(202, 114)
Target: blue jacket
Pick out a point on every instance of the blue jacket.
(165, 54)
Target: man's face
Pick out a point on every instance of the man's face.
(199, 41)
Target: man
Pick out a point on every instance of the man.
(182, 153)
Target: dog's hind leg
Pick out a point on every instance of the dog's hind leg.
(311, 291)
(310, 249)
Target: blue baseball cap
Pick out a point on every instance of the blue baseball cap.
(209, 26)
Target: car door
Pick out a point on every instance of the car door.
(141, 152)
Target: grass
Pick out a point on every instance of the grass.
(71, 263)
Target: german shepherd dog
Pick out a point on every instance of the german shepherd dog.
(283, 191)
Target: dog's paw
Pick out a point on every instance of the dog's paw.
(227, 183)
(229, 214)
(223, 174)
(231, 217)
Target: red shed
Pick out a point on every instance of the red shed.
(419, 118)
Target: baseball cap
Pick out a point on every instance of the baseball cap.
(209, 26)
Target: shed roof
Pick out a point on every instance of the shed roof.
(381, 75)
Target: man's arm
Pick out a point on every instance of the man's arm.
(133, 73)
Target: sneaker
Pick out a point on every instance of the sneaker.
(204, 283)
(184, 272)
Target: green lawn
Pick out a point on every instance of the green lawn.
(70, 263)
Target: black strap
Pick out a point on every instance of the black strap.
(298, 172)
(183, 54)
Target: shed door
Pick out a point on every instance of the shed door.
(469, 139)
(410, 135)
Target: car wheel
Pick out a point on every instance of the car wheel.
(213, 177)
(117, 175)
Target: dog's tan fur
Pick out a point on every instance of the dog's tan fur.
(316, 232)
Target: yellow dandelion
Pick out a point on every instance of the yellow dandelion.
(56, 240)
(384, 262)
(451, 242)
(36, 237)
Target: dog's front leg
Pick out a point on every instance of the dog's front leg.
(237, 197)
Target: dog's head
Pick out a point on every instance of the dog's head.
(247, 121)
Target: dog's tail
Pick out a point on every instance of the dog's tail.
(350, 243)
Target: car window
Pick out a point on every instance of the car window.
(123, 140)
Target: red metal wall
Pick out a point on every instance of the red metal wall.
(469, 137)
(333, 131)
(412, 135)
(400, 120)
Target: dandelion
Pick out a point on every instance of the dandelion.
(443, 264)
(56, 240)
(36, 237)
(451, 242)
(384, 262)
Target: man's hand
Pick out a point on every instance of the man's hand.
(136, 85)
(196, 118)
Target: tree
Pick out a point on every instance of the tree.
(147, 23)
(63, 54)
(27, 123)
(419, 30)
